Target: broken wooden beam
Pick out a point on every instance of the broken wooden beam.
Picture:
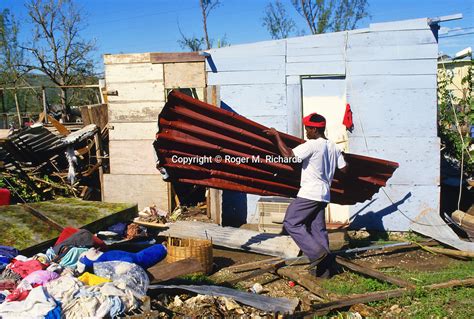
(304, 279)
(324, 308)
(372, 273)
(165, 271)
(252, 265)
(263, 269)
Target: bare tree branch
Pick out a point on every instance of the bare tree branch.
(277, 21)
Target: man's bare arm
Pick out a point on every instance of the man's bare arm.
(284, 150)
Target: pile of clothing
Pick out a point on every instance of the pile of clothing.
(76, 278)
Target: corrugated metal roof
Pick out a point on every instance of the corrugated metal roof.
(194, 129)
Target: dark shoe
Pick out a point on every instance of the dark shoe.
(325, 268)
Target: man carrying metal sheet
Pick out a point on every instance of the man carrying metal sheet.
(304, 218)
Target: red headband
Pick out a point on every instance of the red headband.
(307, 121)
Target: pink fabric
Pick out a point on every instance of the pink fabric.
(40, 277)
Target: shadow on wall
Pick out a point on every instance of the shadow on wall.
(372, 221)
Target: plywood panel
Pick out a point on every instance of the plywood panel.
(294, 109)
(391, 113)
(185, 75)
(253, 100)
(133, 131)
(400, 52)
(133, 72)
(366, 83)
(137, 91)
(145, 190)
(132, 157)
(334, 39)
(418, 157)
(396, 211)
(404, 37)
(316, 58)
(264, 48)
(412, 24)
(126, 58)
(246, 77)
(393, 67)
(176, 57)
(316, 68)
(136, 111)
(220, 64)
(294, 51)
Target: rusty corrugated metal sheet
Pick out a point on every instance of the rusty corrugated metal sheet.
(191, 128)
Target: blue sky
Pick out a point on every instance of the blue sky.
(129, 26)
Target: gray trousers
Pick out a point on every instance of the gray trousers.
(306, 224)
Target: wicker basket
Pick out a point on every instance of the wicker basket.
(201, 249)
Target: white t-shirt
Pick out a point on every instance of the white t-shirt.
(320, 159)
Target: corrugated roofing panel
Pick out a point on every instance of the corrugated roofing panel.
(189, 128)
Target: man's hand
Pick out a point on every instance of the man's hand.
(271, 131)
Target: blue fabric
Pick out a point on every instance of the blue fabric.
(7, 253)
(117, 307)
(55, 313)
(118, 228)
(72, 257)
(145, 258)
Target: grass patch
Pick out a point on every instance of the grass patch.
(349, 283)
(456, 270)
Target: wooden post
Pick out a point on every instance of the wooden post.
(45, 106)
(214, 209)
(17, 109)
(98, 154)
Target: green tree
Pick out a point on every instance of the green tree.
(277, 21)
(57, 47)
(331, 15)
(195, 43)
(456, 116)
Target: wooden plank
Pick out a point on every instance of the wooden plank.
(382, 38)
(400, 52)
(247, 240)
(377, 110)
(372, 273)
(185, 75)
(225, 64)
(398, 149)
(304, 279)
(133, 131)
(145, 190)
(246, 77)
(262, 270)
(126, 58)
(165, 271)
(132, 157)
(137, 91)
(393, 67)
(95, 114)
(176, 57)
(324, 308)
(395, 82)
(133, 72)
(253, 264)
(255, 100)
(135, 111)
(412, 24)
(251, 50)
(35, 212)
(316, 68)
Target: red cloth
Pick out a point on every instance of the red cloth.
(347, 121)
(24, 268)
(69, 231)
(18, 295)
(307, 121)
